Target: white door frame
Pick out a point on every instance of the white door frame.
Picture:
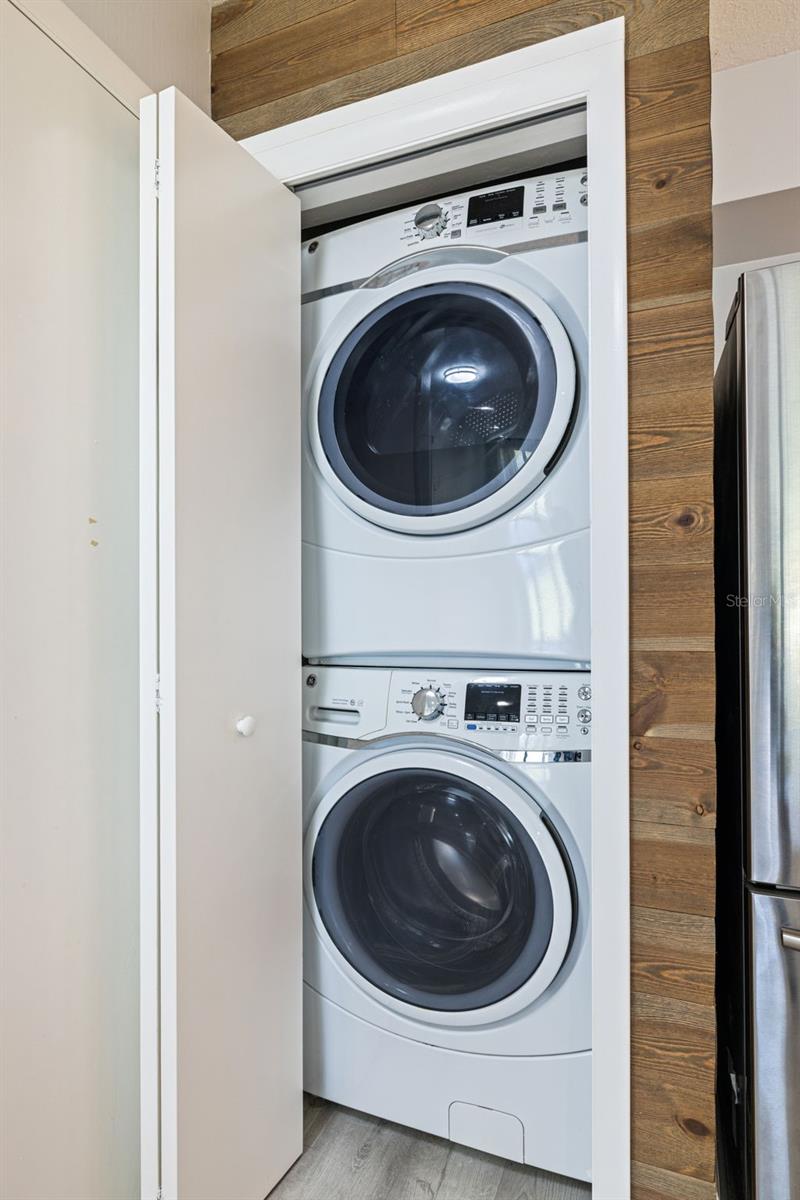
(588, 65)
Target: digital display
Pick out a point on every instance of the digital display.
(493, 702)
(496, 206)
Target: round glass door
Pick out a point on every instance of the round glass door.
(432, 890)
(437, 399)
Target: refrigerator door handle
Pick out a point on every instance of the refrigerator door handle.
(790, 939)
(773, 1091)
(772, 551)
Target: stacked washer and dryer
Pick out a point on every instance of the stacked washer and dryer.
(447, 693)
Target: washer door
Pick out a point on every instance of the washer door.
(445, 404)
(441, 889)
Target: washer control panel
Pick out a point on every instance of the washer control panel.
(514, 710)
(543, 206)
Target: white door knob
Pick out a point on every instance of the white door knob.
(245, 726)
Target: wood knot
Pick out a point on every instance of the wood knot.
(661, 183)
(700, 810)
(637, 745)
(686, 519)
(693, 1127)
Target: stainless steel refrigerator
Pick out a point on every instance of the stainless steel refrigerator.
(757, 582)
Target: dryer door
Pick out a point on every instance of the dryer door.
(439, 887)
(445, 403)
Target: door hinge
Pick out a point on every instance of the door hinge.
(158, 710)
(156, 170)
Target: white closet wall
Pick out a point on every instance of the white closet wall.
(69, 838)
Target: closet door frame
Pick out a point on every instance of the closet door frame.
(583, 67)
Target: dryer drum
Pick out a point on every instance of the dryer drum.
(437, 399)
(432, 890)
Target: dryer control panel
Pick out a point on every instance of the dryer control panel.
(531, 711)
(540, 207)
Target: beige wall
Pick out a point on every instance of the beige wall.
(755, 115)
(755, 124)
(745, 31)
(164, 41)
(755, 119)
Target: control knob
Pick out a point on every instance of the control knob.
(584, 715)
(428, 704)
(430, 220)
(584, 693)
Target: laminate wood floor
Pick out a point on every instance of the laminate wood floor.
(351, 1156)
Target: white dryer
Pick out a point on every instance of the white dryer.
(447, 958)
(446, 468)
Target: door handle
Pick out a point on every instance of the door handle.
(790, 938)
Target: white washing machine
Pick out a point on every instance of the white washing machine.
(447, 958)
(446, 459)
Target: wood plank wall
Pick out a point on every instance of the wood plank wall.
(275, 61)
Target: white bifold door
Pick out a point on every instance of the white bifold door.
(221, 1100)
